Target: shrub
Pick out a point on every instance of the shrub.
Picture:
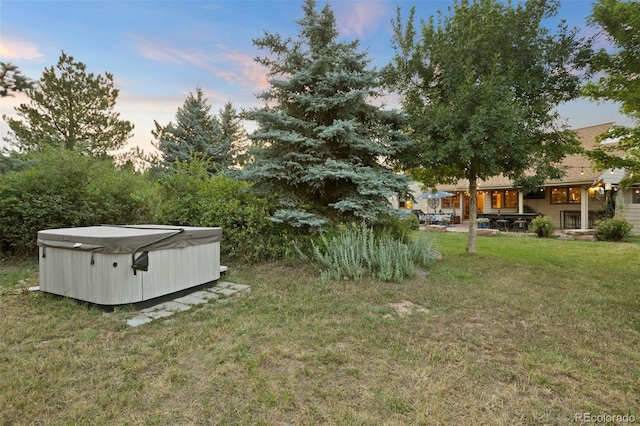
(190, 196)
(67, 189)
(357, 251)
(543, 226)
(614, 229)
(398, 227)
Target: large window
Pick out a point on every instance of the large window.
(566, 195)
(451, 202)
(504, 199)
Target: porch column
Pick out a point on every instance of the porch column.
(584, 207)
(520, 202)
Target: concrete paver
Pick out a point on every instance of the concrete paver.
(218, 293)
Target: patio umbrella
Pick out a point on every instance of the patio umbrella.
(434, 195)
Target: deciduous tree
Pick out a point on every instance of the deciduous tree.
(481, 85)
(620, 22)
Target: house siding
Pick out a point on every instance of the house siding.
(631, 211)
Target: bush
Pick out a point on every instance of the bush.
(67, 189)
(190, 196)
(543, 226)
(357, 251)
(399, 227)
(614, 229)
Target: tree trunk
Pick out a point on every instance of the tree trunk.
(473, 216)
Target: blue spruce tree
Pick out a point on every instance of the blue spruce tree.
(322, 144)
(196, 134)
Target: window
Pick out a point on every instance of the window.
(566, 195)
(504, 199)
(497, 199)
(451, 202)
(405, 204)
(635, 195)
(511, 199)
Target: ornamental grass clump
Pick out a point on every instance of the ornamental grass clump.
(358, 251)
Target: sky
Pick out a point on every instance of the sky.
(160, 51)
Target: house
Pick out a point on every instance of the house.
(582, 197)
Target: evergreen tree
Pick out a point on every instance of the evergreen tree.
(233, 134)
(620, 83)
(12, 80)
(321, 144)
(70, 109)
(481, 87)
(196, 134)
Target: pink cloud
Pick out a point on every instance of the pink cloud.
(164, 52)
(248, 71)
(357, 19)
(12, 49)
(232, 66)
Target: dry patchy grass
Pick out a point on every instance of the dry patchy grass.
(527, 332)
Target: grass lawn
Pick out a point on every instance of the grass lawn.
(529, 331)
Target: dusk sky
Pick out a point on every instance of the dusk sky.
(159, 51)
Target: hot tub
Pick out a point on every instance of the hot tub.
(117, 265)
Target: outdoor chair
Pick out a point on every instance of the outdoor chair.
(519, 225)
(502, 224)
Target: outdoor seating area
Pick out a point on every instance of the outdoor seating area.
(515, 222)
(434, 219)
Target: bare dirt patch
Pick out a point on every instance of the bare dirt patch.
(406, 307)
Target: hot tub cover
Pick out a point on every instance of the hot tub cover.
(127, 238)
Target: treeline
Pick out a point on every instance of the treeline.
(59, 189)
(479, 90)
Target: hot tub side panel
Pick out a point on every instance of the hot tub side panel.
(177, 269)
(101, 278)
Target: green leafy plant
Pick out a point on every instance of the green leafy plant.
(191, 196)
(398, 227)
(60, 189)
(614, 229)
(543, 226)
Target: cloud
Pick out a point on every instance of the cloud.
(247, 71)
(165, 52)
(234, 67)
(360, 18)
(13, 49)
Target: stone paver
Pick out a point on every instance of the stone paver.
(225, 291)
(134, 322)
(218, 293)
(191, 299)
(241, 287)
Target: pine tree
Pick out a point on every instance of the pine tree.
(321, 143)
(12, 80)
(233, 134)
(196, 134)
(70, 109)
